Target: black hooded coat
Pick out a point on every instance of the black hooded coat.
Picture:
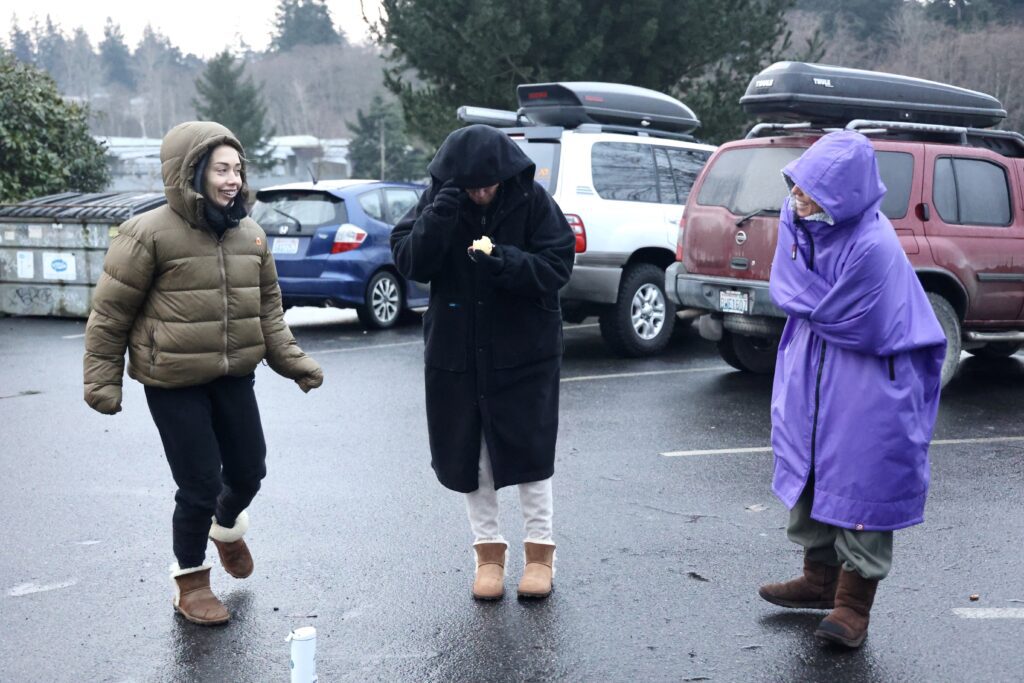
(493, 330)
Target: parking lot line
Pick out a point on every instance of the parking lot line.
(768, 449)
(717, 451)
(364, 348)
(989, 612)
(616, 375)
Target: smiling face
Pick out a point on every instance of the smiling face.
(223, 178)
(804, 205)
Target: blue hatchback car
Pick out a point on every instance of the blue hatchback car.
(330, 242)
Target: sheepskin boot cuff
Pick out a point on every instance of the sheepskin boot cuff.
(234, 553)
(230, 534)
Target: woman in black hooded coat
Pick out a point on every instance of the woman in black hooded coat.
(493, 334)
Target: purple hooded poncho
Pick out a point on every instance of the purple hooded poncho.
(858, 375)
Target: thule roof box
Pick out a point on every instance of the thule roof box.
(832, 95)
(572, 104)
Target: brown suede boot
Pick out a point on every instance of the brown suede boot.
(539, 570)
(847, 624)
(234, 553)
(193, 598)
(490, 570)
(816, 589)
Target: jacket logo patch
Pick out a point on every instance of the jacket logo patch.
(259, 242)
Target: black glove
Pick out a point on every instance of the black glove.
(447, 200)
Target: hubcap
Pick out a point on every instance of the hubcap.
(648, 312)
(384, 300)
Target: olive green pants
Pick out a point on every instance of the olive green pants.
(869, 553)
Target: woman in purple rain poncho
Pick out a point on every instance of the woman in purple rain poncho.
(856, 384)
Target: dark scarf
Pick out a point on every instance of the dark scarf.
(220, 219)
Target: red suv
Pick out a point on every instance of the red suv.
(955, 198)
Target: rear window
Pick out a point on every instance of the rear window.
(897, 171)
(545, 157)
(747, 179)
(298, 211)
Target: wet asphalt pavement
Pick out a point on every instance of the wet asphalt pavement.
(659, 557)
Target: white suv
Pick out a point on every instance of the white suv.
(619, 162)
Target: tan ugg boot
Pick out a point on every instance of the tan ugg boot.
(539, 570)
(490, 570)
(193, 598)
(847, 624)
(234, 553)
(815, 589)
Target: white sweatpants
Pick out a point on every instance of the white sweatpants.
(535, 500)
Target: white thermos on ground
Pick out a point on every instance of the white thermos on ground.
(303, 662)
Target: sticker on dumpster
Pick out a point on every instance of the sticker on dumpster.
(26, 268)
(10, 235)
(59, 266)
(35, 232)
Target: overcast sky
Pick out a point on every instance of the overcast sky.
(203, 27)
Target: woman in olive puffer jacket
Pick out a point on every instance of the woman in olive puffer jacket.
(190, 289)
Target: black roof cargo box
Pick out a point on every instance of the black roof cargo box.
(821, 94)
(572, 104)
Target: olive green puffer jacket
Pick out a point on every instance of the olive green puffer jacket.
(190, 307)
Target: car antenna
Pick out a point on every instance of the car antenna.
(312, 175)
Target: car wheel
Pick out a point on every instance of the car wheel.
(996, 350)
(755, 355)
(382, 305)
(951, 328)
(641, 320)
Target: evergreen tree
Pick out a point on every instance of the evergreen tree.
(236, 102)
(303, 22)
(476, 53)
(115, 57)
(83, 63)
(44, 141)
(52, 51)
(21, 43)
(382, 126)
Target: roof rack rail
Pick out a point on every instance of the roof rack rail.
(1007, 143)
(761, 129)
(965, 135)
(632, 130)
(499, 118)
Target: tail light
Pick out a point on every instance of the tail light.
(347, 238)
(679, 238)
(576, 223)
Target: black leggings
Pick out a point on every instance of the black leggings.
(214, 444)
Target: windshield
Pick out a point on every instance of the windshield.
(747, 179)
(298, 211)
(545, 157)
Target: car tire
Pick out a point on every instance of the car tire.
(383, 302)
(755, 355)
(950, 324)
(996, 350)
(641, 320)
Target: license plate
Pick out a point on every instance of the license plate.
(732, 302)
(285, 245)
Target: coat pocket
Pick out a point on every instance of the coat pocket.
(445, 336)
(892, 369)
(525, 331)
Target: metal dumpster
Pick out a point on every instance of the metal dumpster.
(52, 249)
